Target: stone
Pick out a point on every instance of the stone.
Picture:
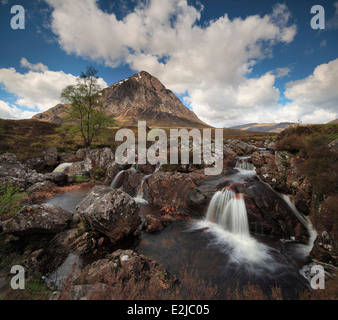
(37, 219)
(111, 212)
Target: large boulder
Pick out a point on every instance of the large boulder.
(45, 219)
(98, 158)
(171, 189)
(111, 212)
(11, 170)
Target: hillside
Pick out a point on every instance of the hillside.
(264, 127)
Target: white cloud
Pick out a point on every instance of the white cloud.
(8, 111)
(38, 89)
(35, 67)
(333, 22)
(316, 96)
(213, 63)
(282, 72)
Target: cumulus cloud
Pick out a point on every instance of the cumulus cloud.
(39, 89)
(8, 111)
(212, 62)
(316, 96)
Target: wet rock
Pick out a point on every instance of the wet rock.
(38, 219)
(111, 212)
(269, 214)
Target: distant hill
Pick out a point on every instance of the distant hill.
(333, 121)
(264, 127)
(140, 97)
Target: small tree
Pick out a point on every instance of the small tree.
(86, 110)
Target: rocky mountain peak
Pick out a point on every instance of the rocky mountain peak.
(141, 97)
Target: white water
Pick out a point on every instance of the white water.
(244, 165)
(302, 249)
(140, 193)
(227, 222)
(114, 183)
(62, 167)
(229, 211)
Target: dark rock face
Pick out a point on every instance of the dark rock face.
(111, 212)
(269, 214)
(282, 171)
(38, 219)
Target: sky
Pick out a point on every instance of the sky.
(231, 61)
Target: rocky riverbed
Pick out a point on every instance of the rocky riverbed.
(106, 226)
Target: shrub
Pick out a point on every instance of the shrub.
(10, 199)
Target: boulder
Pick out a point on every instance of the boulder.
(111, 212)
(98, 158)
(11, 170)
(170, 189)
(51, 156)
(36, 219)
(59, 178)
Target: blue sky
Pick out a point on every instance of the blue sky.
(230, 61)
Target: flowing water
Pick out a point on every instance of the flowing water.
(219, 247)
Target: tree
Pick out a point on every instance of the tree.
(86, 110)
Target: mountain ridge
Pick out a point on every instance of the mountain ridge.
(141, 97)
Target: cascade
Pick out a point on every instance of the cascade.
(228, 210)
(62, 167)
(244, 165)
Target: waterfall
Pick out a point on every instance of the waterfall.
(244, 165)
(228, 210)
(116, 179)
(62, 167)
(140, 192)
(114, 183)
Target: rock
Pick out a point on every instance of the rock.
(11, 170)
(51, 157)
(37, 164)
(170, 189)
(38, 219)
(77, 169)
(44, 186)
(269, 214)
(111, 212)
(98, 158)
(59, 178)
(114, 278)
(333, 145)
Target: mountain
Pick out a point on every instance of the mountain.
(333, 121)
(264, 127)
(140, 97)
